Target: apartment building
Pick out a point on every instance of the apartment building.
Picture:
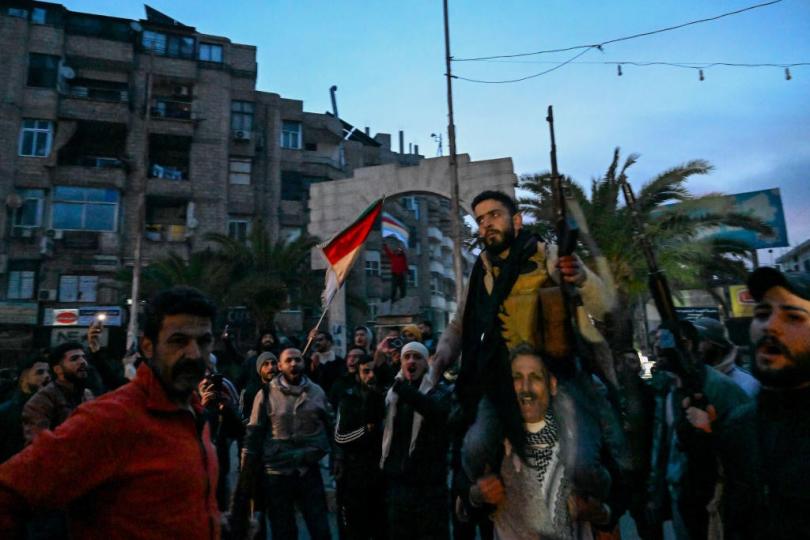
(103, 118)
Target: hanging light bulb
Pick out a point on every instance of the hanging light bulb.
(700, 75)
(787, 74)
(619, 70)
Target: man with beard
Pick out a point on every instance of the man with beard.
(288, 433)
(503, 308)
(325, 367)
(414, 450)
(136, 462)
(765, 444)
(33, 375)
(358, 438)
(267, 342)
(349, 378)
(717, 350)
(55, 401)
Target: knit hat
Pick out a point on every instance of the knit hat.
(414, 330)
(263, 359)
(417, 347)
(713, 331)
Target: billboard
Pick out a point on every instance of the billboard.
(742, 303)
(765, 204)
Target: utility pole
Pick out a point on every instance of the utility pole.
(143, 173)
(455, 207)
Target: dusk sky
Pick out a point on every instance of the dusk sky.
(387, 59)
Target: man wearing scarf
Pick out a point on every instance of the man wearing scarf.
(414, 451)
(503, 308)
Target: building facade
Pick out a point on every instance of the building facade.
(115, 130)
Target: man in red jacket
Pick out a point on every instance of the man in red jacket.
(137, 462)
(399, 270)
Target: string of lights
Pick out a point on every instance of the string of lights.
(699, 66)
(623, 38)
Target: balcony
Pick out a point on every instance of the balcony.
(166, 233)
(170, 109)
(103, 101)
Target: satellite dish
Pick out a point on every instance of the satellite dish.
(14, 201)
(67, 72)
(136, 26)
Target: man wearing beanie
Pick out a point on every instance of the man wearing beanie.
(267, 368)
(717, 351)
(765, 444)
(414, 450)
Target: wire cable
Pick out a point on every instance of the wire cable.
(558, 66)
(615, 40)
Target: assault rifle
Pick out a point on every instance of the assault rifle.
(567, 233)
(672, 330)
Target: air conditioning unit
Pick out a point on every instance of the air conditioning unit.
(47, 295)
(56, 234)
(242, 135)
(184, 91)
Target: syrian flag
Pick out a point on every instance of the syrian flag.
(342, 250)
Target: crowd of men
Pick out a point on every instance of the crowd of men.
(496, 430)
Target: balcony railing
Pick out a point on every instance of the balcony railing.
(168, 172)
(170, 108)
(96, 93)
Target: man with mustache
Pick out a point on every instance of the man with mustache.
(55, 401)
(765, 444)
(136, 462)
(414, 450)
(288, 434)
(530, 491)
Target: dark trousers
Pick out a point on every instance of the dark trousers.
(284, 492)
(416, 511)
(361, 504)
(398, 281)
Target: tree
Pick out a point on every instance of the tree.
(265, 275)
(689, 258)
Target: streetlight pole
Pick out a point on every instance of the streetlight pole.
(455, 207)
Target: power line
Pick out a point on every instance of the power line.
(558, 66)
(615, 40)
(692, 65)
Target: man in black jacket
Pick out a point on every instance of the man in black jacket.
(33, 375)
(358, 438)
(414, 451)
(765, 444)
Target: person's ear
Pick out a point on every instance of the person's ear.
(517, 221)
(147, 347)
(552, 385)
(58, 370)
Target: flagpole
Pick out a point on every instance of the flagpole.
(311, 338)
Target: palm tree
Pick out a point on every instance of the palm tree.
(264, 275)
(690, 259)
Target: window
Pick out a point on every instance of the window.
(239, 171)
(181, 47)
(35, 138)
(17, 12)
(78, 288)
(242, 116)
(84, 209)
(154, 41)
(39, 15)
(435, 284)
(21, 284)
(239, 229)
(42, 70)
(413, 276)
(210, 52)
(373, 308)
(411, 204)
(30, 213)
(291, 135)
(372, 263)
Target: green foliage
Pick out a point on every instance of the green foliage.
(690, 259)
(259, 274)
